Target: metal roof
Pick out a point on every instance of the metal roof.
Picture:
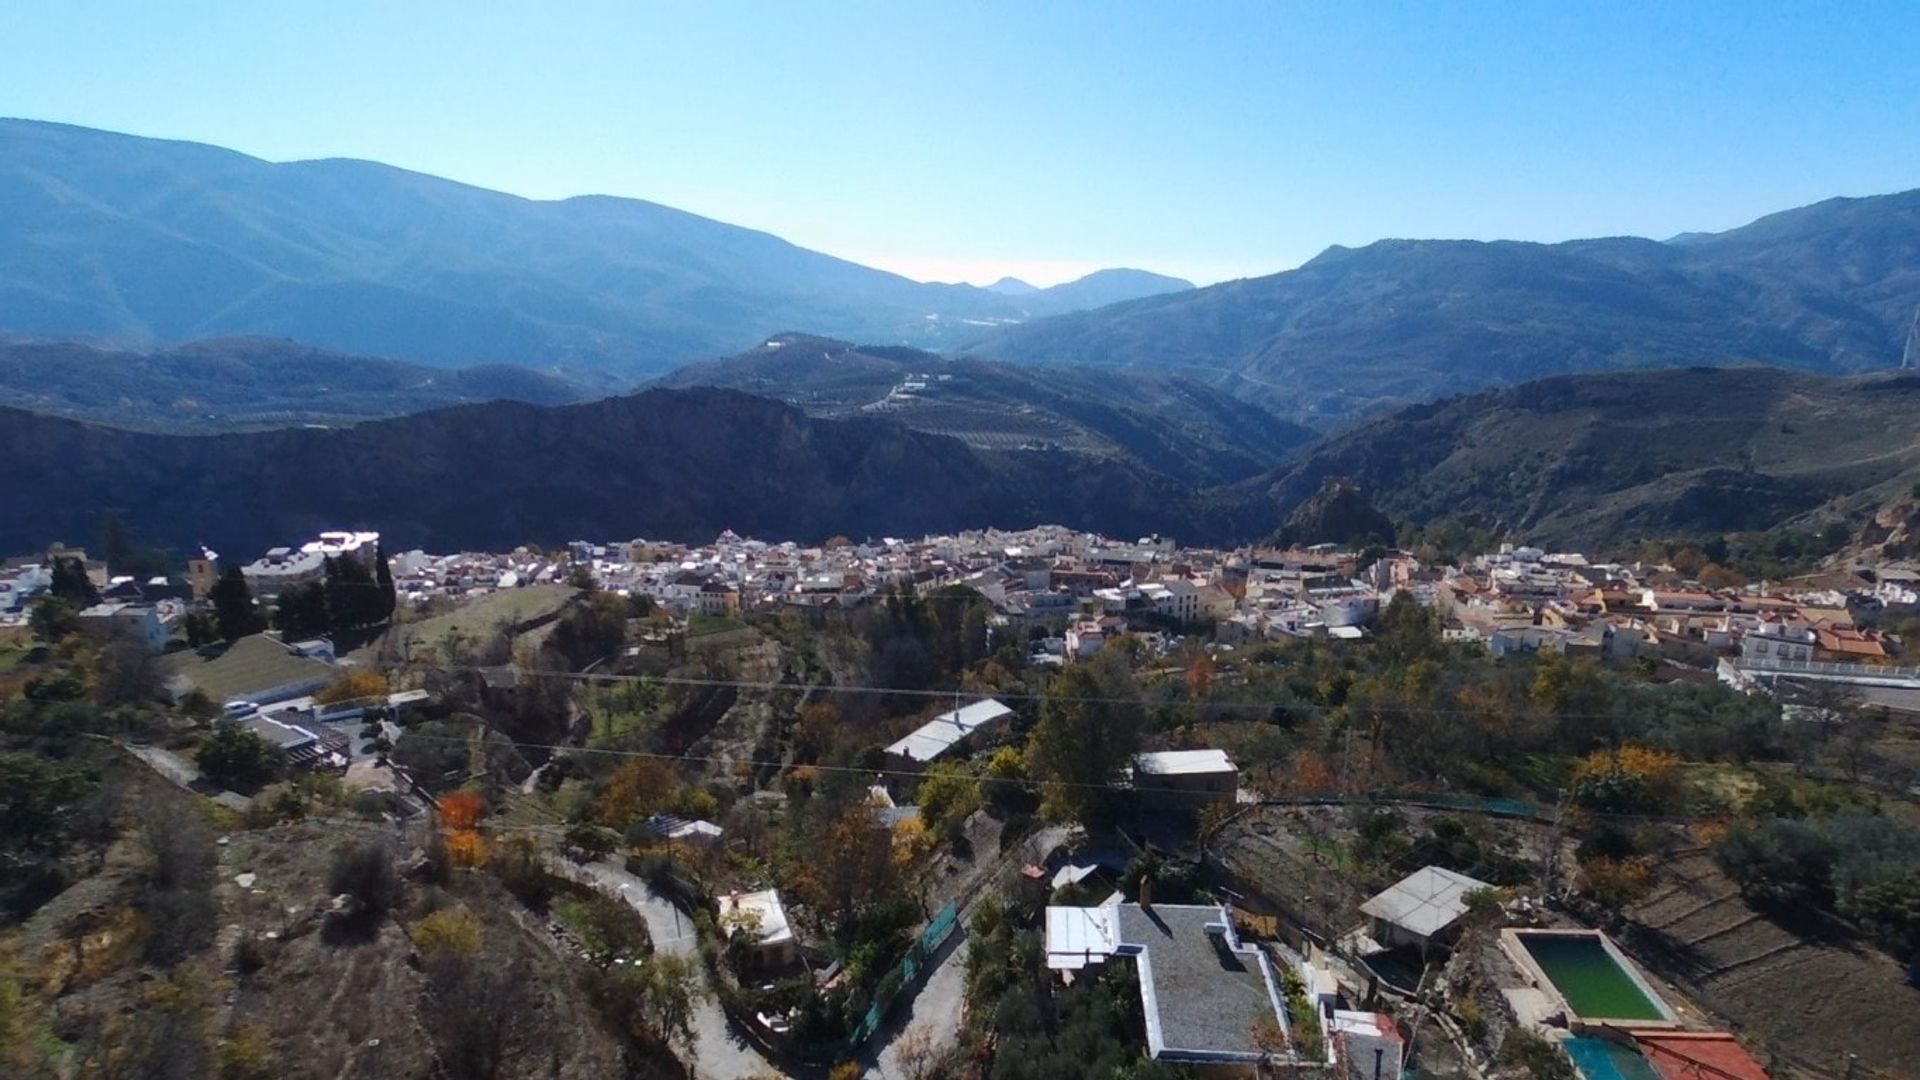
(1184, 762)
(1425, 901)
(938, 735)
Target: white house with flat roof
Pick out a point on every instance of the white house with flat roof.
(1186, 777)
(1204, 993)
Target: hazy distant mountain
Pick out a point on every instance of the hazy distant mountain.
(676, 464)
(1590, 459)
(1831, 287)
(1098, 289)
(1170, 424)
(1012, 286)
(148, 242)
(236, 384)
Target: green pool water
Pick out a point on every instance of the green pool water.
(1592, 981)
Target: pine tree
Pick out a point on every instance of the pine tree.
(233, 609)
(301, 611)
(383, 575)
(70, 583)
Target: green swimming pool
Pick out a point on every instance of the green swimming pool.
(1588, 976)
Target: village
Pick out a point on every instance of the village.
(1286, 811)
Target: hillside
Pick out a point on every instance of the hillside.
(1832, 287)
(1585, 460)
(670, 464)
(150, 242)
(235, 384)
(1171, 424)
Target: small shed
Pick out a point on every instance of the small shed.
(1421, 908)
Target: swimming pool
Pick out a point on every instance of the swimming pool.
(1590, 975)
(1603, 1059)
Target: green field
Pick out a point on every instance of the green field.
(476, 620)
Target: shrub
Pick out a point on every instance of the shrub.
(452, 930)
(1542, 1060)
(365, 872)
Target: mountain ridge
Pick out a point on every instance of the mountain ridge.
(149, 242)
(1171, 424)
(1830, 287)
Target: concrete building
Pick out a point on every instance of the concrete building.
(1185, 778)
(133, 622)
(1204, 993)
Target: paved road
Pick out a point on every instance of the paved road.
(936, 1009)
(718, 1054)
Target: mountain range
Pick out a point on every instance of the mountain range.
(669, 464)
(1833, 287)
(239, 384)
(1171, 424)
(146, 242)
(1584, 461)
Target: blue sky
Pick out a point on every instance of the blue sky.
(968, 140)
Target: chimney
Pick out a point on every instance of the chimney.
(1146, 891)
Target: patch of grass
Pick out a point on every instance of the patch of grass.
(11, 655)
(700, 625)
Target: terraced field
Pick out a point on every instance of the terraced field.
(1808, 993)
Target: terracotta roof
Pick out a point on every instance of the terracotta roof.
(1698, 1055)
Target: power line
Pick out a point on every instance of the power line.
(949, 693)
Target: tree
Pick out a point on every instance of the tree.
(660, 996)
(590, 630)
(948, 795)
(236, 758)
(352, 685)
(1089, 730)
(301, 611)
(353, 598)
(365, 872)
(852, 866)
(638, 788)
(591, 842)
(70, 583)
(53, 619)
(234, 612)
(383, 577)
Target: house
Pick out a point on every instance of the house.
(303, 746)
(941, 734)
(1088, 636)
(131, 622)
(718, 599)
(1204, 993)
(763, 919)
(678, 830)
(1422, 908)
(1774, 640)
(259, 668)
(283, 568)
(1185, 778)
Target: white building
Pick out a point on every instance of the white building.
(940, 735)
